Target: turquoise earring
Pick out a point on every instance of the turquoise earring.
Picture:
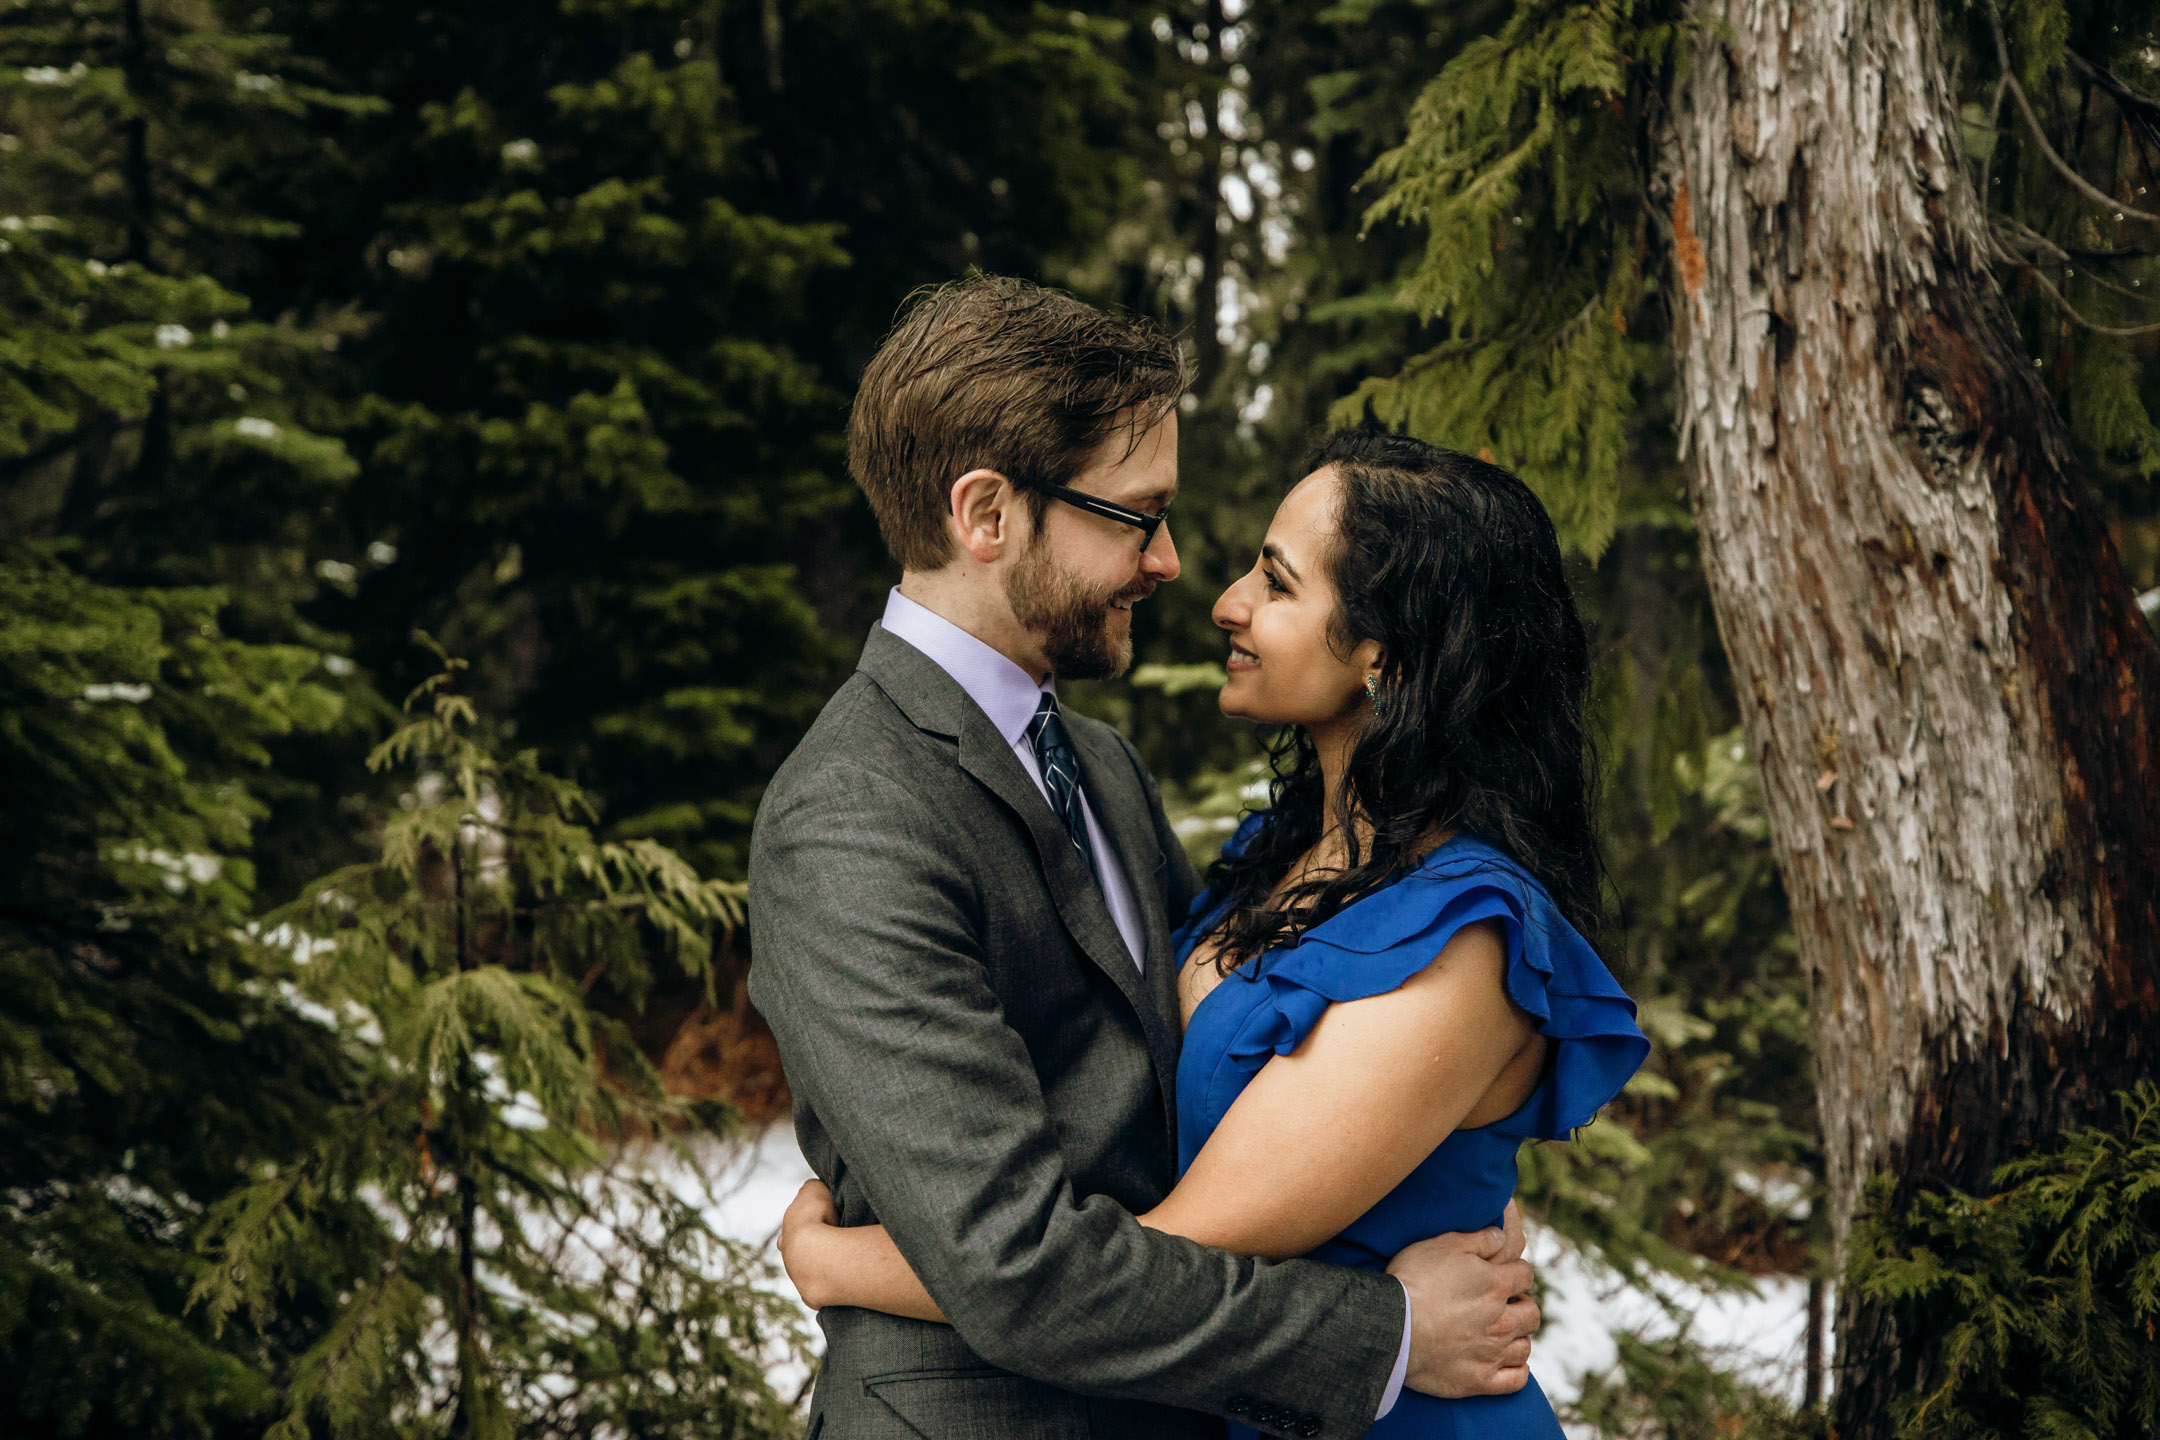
(1372, 688)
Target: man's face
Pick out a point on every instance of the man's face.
(1074, 587)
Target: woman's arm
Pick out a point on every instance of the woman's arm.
(833, 1264)
(1344, 1118)
(1333, 1126)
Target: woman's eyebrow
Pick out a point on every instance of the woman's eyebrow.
(1272, 551)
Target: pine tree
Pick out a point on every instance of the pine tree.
(156, 418)
(153, 668)
(619, 265)
(517, 1266)
(146, 1063)
(156, 421)
(1535, 242)
(2035, 1305)
(580, 435)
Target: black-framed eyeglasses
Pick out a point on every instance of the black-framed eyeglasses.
(1140, 520)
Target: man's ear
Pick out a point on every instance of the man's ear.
(987, 514)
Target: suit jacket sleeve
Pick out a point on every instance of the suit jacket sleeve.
(869, 969)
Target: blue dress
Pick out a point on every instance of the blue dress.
(1267, 1006)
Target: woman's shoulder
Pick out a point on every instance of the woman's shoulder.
(1551, 972)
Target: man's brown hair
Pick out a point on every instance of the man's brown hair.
(1001, 374)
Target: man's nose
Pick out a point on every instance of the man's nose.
(1160, 557)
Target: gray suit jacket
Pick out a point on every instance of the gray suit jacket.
(977, 1064)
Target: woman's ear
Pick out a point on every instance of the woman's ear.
(1369, 657)
(985, 510)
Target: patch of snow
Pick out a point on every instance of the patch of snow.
(306, 1008)
(742, 1189)
(1760, 1338)
(180, 870)
(302, 946)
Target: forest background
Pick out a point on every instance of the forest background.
(529, 328)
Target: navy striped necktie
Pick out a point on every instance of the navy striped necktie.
(1060, 772)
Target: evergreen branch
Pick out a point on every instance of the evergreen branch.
(2039, 244)
(240, 1223)
(316, 1369)
(2101, 257)
(1987, 159)
(2077, 318)
(2122, 208)
(2142, 111)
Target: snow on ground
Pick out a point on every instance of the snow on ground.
(1761, 1337)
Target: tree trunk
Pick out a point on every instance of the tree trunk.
(1207, 234)
(135, 68)
(1947, 685)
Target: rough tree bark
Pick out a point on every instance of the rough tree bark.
(1947, 684)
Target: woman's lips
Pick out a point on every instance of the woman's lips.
(1241, 660)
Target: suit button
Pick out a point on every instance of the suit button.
(1309, 1426)
(1240, 1404)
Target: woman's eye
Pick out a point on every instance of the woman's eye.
(1275, 585)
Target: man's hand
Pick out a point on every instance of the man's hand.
(1471, 1315)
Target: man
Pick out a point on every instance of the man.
(961, 901)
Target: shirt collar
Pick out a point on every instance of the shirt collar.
(1005, 692)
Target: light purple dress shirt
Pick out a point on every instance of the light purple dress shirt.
(1008, 695)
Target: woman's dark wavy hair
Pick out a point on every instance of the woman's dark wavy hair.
(1453, 566)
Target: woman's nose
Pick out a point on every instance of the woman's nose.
(1230, 612)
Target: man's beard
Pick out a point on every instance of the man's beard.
(1070, 620)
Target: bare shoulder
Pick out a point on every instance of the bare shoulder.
(1474, 960)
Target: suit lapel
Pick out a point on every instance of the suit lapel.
(934, 701)
(985, 755)
(1120, 804)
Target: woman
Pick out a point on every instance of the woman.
(1386, 986)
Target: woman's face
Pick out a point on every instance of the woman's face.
(1282, 668)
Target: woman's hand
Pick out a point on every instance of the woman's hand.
(809, 1216)
(835, 1264)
